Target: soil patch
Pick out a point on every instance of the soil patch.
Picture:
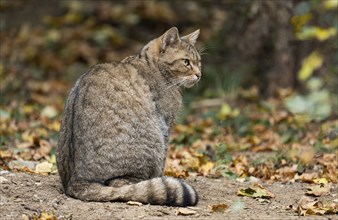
(25, 195)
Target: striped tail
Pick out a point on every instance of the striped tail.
(157, 191)
(160, 191)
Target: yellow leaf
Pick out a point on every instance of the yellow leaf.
(206, 168)
(28, 109)
(53, 159)
(54, 126)
(316, 32)
(46, 216)
(310, 64)
(299, 21)
(330, 4)
(225, 111)
(27, 136)
(1, 69)
(256, 192)
(320, 181)
(324, 34)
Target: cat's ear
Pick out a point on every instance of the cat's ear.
(192, 38)
(170, 37)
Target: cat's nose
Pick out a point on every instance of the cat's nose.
(198, 75)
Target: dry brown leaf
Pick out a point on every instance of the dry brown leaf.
(308, 177)
(185, 211)
(220, 207)
(43, 151)
(6, 154)
(176, 173)
(23, 145)
(308, 206)
(318, 190)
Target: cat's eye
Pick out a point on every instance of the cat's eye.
(186, 62)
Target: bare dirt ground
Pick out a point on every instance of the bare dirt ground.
(25, 195)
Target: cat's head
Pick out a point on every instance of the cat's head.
(179, 56)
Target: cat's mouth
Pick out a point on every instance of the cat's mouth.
(191, 81)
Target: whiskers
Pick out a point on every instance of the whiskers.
(177, 83)
(203, 49)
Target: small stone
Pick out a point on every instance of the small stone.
(185, 211)
(253, 179)
(134, 203)
(3, 180)
(24, 217)
(20, 164)
(2, 172)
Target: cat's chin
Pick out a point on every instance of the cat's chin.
(190, 84)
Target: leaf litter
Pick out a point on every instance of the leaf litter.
(270, 140)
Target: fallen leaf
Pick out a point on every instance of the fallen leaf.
(206, 168)
(44, 167)
(23, 145)
(185, 211)
(256, 192)
(176, 173)
(43, 150)
(46, 216)
(308, 177)
(220, 207)
(49, 112)
(308, 206)
(6, 153)
(134, 203)
(318, 190)
(320, 181)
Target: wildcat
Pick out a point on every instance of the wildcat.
(116, 124)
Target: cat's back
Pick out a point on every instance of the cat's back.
(116, 84)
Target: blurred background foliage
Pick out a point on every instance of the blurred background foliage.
(269, 77)
(269, 48)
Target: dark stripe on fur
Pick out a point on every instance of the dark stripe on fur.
(171, 195)
(186, 195)
(147, 58)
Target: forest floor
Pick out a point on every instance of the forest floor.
(28, 196)
(247, 157)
